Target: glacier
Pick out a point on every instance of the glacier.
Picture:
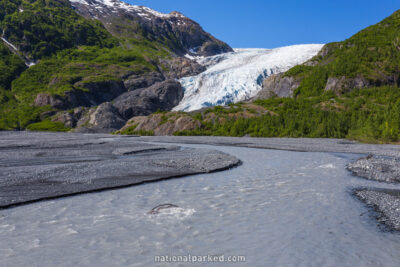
(238, 75)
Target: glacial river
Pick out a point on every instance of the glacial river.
(279, 208)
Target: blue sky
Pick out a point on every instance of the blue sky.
(269, 24)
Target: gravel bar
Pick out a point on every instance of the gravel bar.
(38, 166)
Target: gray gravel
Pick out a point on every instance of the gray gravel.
(37, 166)
(377, 168)
(384, 201)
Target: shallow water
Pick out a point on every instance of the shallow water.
(279, 208)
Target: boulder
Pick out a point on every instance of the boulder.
(105, 118)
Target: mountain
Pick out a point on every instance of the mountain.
(181, 34)
(61, 60)
(350, 89)
(238, 76)
(369, 58)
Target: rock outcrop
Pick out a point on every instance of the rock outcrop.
(278, 86)
(159, 97)
(95, 94)
(179, 67)
(181, 34)
(103, 119)
(139, 81)
(345, 84)
(163, 124)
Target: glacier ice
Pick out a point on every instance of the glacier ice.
(238, 75)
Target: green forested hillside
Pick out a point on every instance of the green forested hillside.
(39, 28)
(364, 105)
(372, 55)
(11, 66)
(370, 115)
(70, 51)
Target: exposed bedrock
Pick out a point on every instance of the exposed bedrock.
(36, 166)
(105, 118)
(159, 97)
(111, 116)
(97, 93)
(277, 85)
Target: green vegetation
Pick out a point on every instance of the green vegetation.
(373, 53)
(73, 51)
(369, 115)
(72, 69)
(132, 131)
(47, 125)
(42, 27)
(11, 66)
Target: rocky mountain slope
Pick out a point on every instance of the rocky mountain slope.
(60, 60)
(181, 34)
(369, 58)
(349, 90)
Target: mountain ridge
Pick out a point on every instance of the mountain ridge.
(369, 58)
(170, 29)
(349, 90)
(76, 62)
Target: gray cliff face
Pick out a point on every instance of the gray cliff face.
(96, 94)
(111, 116)
(105, 118)
(277, 86)
(161, 96)
(345, 84)
(181, 34)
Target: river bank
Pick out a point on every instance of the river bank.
(38, 166)
(278, 208)
(380, 163)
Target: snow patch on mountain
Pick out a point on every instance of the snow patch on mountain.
(117, 4)
(238, 76)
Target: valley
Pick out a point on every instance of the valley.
(127, 133)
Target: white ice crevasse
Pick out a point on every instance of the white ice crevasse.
(238, 75)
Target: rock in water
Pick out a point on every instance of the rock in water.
(159, 208)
